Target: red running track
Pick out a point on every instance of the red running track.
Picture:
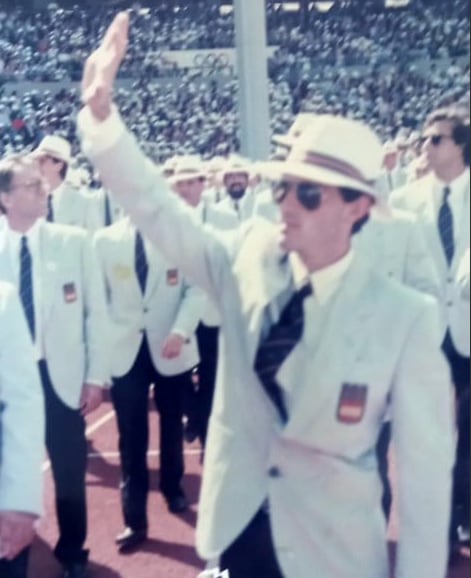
(169, 552)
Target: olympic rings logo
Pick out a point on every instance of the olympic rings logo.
(213, 60)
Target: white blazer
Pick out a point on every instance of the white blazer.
(462, 296)
(319, 473)
(224, 215)
(388, 181)
(169, 304)
(97, 210)
(73, 310)
(22, 411)
(418, 198)
(395, 245)
(78, 207)
(266, 207)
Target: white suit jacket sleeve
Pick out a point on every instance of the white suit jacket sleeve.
(420, 269)
(189, 312)
(422, 418)
(462, 290)
(463, 277)
(22, 420)
(162, 216)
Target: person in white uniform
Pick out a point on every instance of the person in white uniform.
(317, 347)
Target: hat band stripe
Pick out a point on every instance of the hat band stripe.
(330, 163)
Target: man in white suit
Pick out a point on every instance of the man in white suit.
(189, 181)
(238, 202)
(21, 438)
(68, 202)
(63, 298)
(153, 315)
(393, 244)
(290, 485)
(441, 202)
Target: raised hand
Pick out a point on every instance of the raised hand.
(102, 67)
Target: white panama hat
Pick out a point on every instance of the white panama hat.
(188, 167)
(335, 151)
(55, 146)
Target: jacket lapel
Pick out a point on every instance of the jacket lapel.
(156, 269)
(263, 276)
(50, 254)
(346, 318)
(125, 256)
(6, 271)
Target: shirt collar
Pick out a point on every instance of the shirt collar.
(324, 282)
(458, 186)
(32, 234)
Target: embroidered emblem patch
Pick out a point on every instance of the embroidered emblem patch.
(352, 403)
(172, 277)
(70, 293)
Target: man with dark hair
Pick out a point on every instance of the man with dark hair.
(441, 201)
(317, 347)
(455, 123)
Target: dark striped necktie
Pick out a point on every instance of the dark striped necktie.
(108, 215)
(26, 285)
(140, 262)
(445, 226)
(276, 347)
(50, 210)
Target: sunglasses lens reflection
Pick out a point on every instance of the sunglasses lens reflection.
(309, 196)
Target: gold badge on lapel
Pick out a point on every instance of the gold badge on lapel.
(352, 403)
(123, 272)
(172, 277)
(70, 293)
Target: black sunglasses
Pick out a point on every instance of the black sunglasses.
(436, 139)
(308, 194)
(55, 160)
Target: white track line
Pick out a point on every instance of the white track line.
(97, 425)
(109, 455)
(150, 453)
(88, 432)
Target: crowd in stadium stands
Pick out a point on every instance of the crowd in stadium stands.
(52, 44)
(330, 66)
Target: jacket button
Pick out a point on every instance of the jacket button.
(274, 472)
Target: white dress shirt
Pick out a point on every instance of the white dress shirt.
(324, 282)
(14, 246)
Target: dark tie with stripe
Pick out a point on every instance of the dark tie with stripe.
(445, 226)
(50, 209)
(26, 285)
(276, 347)
(108, 217)
(140, 262)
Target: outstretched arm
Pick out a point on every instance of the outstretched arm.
(134, 180)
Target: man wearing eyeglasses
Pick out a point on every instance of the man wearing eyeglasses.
(441, 201)
(316, 348)
(63, 298)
